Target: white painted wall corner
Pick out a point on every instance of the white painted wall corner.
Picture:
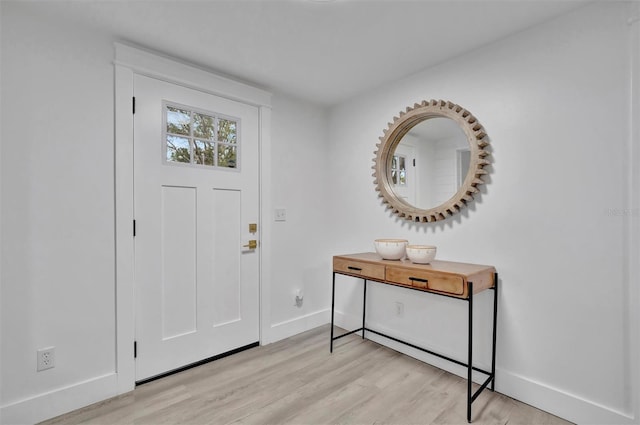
(298, 325)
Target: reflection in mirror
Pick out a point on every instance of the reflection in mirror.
(430, 163)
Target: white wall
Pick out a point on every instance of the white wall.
(300, 249)
(555, 103)
(58, 210)
(58, 261)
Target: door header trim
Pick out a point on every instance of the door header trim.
(156, 65)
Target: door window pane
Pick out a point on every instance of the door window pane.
(178, 121)
(227, 156)
(399, 170)
(200, 138)
(178, 149)
(204, 126)
(204, 152)
(227, 131)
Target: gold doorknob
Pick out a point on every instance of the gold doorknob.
(253, 244)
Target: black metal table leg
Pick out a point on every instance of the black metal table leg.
(470, 359)
(333, 300)
(495, 326)
(364, 306)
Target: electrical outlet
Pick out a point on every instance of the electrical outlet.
(46, 358)
(399, 309)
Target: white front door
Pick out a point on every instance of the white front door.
(195, 194)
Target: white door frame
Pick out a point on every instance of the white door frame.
(129, 61)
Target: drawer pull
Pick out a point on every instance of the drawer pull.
(358, 269)
(417, 279)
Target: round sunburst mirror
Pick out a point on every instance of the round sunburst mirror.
(430, 161)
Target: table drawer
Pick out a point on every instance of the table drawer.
(449, 284)
(359, 268)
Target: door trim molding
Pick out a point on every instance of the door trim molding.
(128, 62)
(156, 65)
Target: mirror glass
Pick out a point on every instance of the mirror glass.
(430, 163)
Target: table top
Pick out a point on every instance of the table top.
(448, 267)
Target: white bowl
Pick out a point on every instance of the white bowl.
(391, 249)
(421, 254)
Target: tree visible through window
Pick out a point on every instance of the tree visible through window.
(399, 170)
(200, 138)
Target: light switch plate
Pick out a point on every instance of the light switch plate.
(280, 214)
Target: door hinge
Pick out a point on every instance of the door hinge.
(414, 162)
(134, 104)
(135, 349)
(134, 228)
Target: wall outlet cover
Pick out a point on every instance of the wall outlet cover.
(46, 358)
(399, 307)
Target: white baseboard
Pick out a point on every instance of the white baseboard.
(539, 395)
(298, 325)
(59, 401)
(558, 402)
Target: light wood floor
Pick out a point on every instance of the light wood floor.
(297, 381)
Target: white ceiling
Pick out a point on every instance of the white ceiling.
(321, 51)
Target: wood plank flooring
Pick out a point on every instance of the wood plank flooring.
(297, 381)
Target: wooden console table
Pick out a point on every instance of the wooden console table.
(444, 278)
